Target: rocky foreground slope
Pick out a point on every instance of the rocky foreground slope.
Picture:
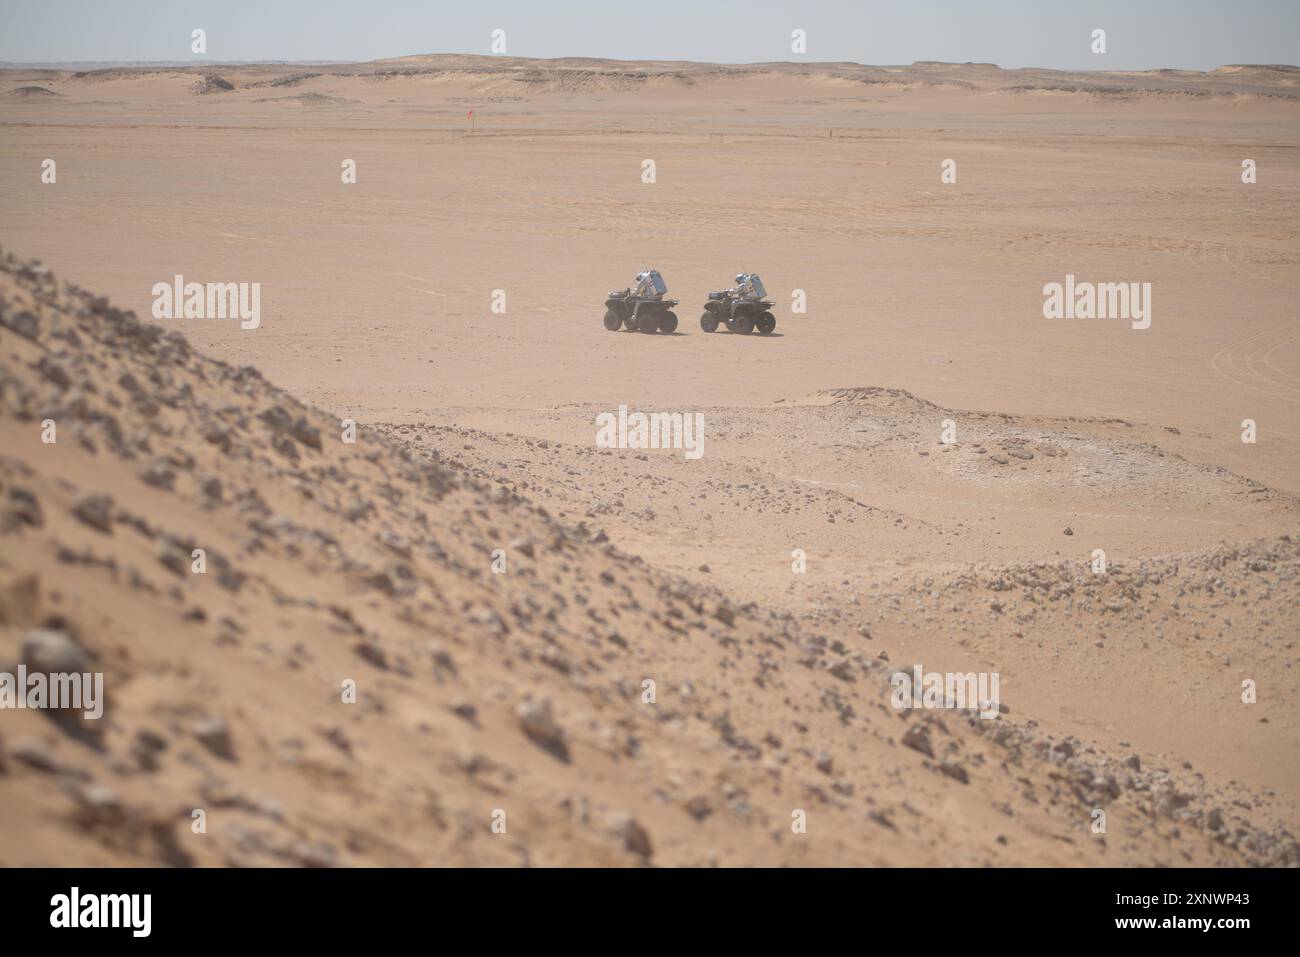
(578, 707)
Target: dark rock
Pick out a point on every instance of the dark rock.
(55, 652)
(23, 323)
(371, 652)
(634, 836)
(538, 722)
(24, 506)
(698, 807)
(95, 511)
(955, 771)
(466, 710)
(214, 734)
(918, 739)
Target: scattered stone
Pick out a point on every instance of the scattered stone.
(23, 323)
(337, 737)
(95, 511)
(218, 435)
(466, 710)
(35, 754)
(442, 660)
(882, 819)
(634, 836)
(24, 506)
(97, 806)
(52, 652)
(214, 734)
(306, 433)
(313, 854)
(286, 426)
(538, 722)
(955, 771)
(371, 652)
(918, 739)
(173, 559)
(698, 807)
(53, 372)
(211, 83)
(211, 489)
(842, 669)
(159, 475)
(147, 747)
(1105, 786)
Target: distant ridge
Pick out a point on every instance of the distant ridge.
(591, 75)
(582, 61)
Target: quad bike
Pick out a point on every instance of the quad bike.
(741, 308)
(642, 308)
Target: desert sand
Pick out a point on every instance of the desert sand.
(519, 697)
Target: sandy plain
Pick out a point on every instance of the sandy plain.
(924, 305)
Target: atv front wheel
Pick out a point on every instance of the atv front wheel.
(612, 320)
(744, 324)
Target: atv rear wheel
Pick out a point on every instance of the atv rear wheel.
(744, 324)
(648, 321)
(612, 320)
(667, 322)
(765, 324)
(709, 322)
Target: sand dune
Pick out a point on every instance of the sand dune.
(478, 693)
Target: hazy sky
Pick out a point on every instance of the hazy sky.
(1141, 34)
